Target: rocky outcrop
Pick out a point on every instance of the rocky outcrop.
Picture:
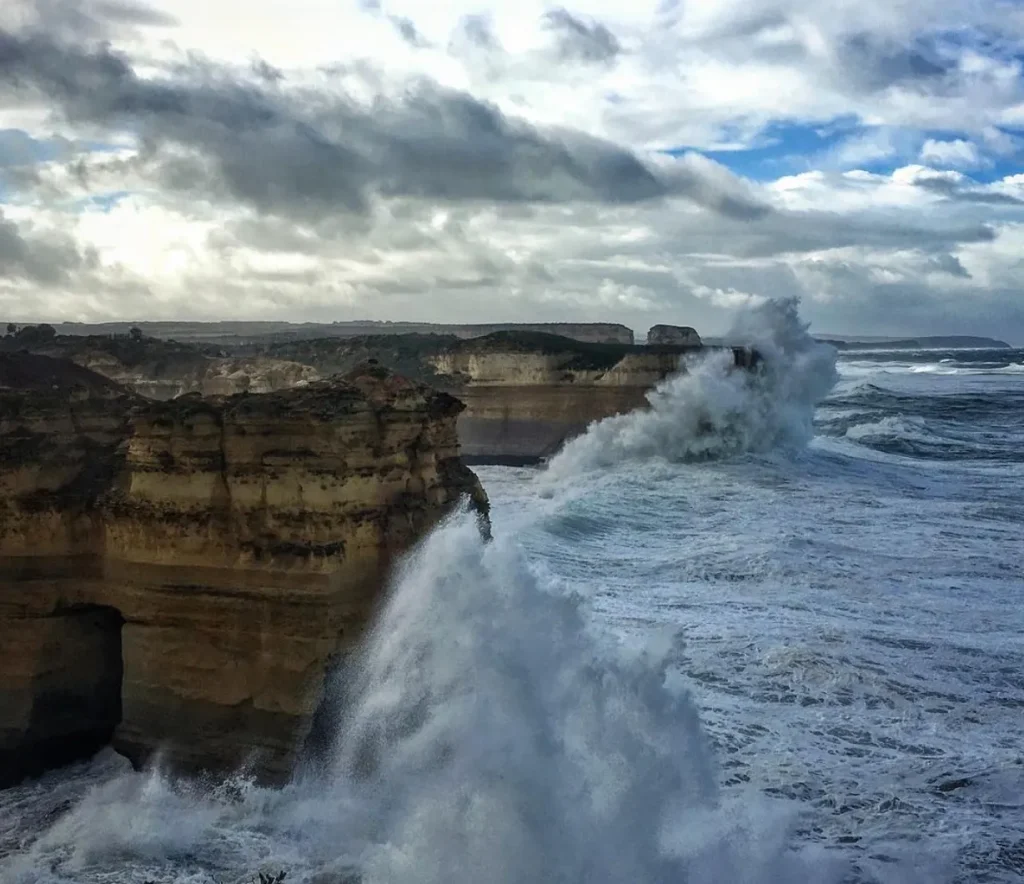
(525, 395)
(180, 576)
(673, 335)
(525, 392)
(167, 369)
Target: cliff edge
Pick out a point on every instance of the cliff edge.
(180, 576)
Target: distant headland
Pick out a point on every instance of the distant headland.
(240, 332)
(928, 342)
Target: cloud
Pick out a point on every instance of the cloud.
(476, 31)
(579, 40)
(83, 19)
(957, 154)
(954, 186)
(44, 258)
(209, 131)
(491, 162)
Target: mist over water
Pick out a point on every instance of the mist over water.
(701, 647)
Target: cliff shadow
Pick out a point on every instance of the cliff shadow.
(74, 700)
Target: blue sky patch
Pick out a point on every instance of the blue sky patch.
(842, 144)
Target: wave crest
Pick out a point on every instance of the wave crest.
(712, 410)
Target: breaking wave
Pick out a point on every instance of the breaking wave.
(711, 410)
(488, 735)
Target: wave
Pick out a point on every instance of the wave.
(967, 363)
(926, 438)
(711, 410)
(485, 734)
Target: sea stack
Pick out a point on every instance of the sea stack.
(673, 335)
(180, 576)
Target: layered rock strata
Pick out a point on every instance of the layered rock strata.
(526, 396)
(180, 576)
(526, 392)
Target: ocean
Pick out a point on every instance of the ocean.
(769, 630)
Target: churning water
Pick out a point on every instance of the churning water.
(734, 638)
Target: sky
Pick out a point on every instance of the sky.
(640, 162)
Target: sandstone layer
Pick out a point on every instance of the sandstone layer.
(526, 395)
(526, 392)
(180, 576)
(167, 369)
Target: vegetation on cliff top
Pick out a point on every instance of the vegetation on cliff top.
(30, 371)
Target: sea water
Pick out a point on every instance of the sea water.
(768, 630)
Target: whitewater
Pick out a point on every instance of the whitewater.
(768, 630)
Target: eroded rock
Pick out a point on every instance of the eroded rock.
(211, 558)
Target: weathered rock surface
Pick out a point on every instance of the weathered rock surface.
(673, 335)
(180, 576)
(525, 392)
(526, 395)
(167, 369)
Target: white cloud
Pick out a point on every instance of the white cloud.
(556, 226)
(957, 154)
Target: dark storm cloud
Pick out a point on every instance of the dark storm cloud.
(312, 153)
(42, 259)
(582, 41)
(803, 232)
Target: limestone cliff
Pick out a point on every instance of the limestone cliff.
(525, 395)
(180, 575)
(674, 335)
(165, 369)
(526, 392)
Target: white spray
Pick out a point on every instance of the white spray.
(711, 410)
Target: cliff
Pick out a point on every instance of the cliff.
(240, 332)
(526, 394)
(673, 335)
(181, 575)
(166, 369)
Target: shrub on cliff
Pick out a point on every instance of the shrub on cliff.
(35, 335)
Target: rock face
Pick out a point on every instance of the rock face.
(167, 369)
(673, 335)
(179, 576)
(526, 395)
(526, 392)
